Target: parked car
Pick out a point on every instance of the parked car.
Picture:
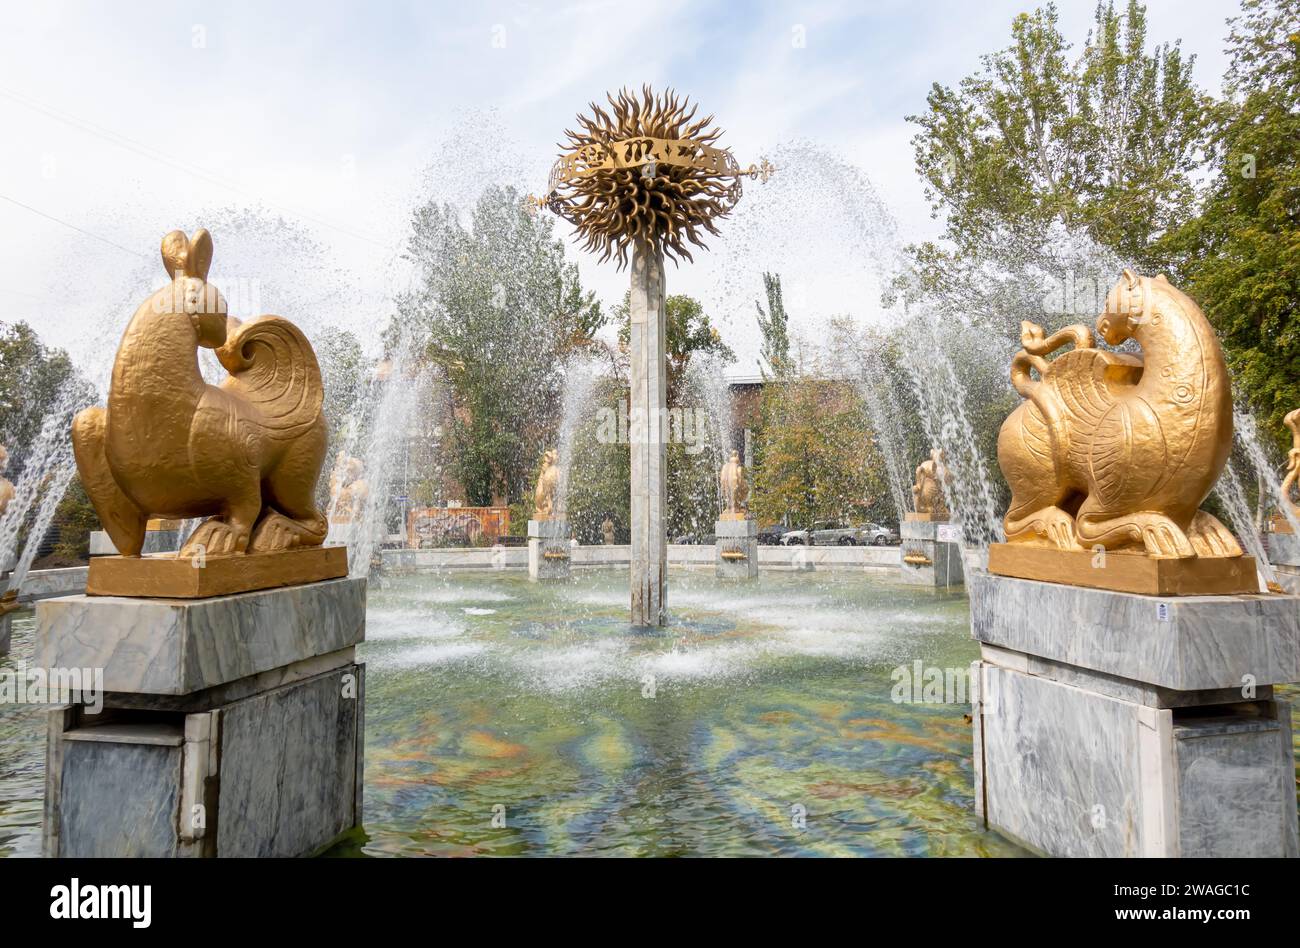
(873, 534)
(771, 534)
(696, 538)
(839, 533)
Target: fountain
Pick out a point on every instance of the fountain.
(1147, 723)
(211, 661)
(653, 156)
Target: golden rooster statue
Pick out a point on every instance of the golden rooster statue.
(246, 454)
(1116, 450)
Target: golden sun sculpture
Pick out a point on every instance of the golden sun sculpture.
(646, 172)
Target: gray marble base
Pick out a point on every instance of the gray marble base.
(177, 646)
(155, 541)
(1185, 643)
(1111, 724)
(276, 773)
(736, 549)
(1288, 577)
(1071, 772)
(1283, 549)
(921, 538)
(549, 551)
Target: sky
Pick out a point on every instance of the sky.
(120, 121)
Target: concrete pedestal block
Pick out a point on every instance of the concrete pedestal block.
(549, 551)
(230, 726)
(1284, 555)
(930, 554)
(1110, 724)
(155, 541)
(736, 549)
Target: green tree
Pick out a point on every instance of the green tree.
(1040, 148)
(1240, 258)
(31, 379)
(774, 325)
(688, 333)
(501, 309)
(817, 458)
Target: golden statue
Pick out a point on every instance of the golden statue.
(932, 478)
(348, 490)
(246, 454)
(646, 172)
(1118, 451)
(607, 530)
(1280, 524)
(547, 482)
(734, 489)
(6, 488)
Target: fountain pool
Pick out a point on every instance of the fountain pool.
(490, 696)
(486, 691)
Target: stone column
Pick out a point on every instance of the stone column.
(649, 381)
(226, 726)
(930, 553)
(1112, 724)
(549, 552)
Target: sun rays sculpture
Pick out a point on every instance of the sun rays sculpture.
(648, 172)
(641, 181)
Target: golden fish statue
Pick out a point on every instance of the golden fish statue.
(1114, 450)
(932, 477)
(246, 454)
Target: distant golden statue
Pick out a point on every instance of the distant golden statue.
(928, 493)
(1115, 451)
(734, 489)
(1292, 421)
(348, 490)
(547, 482)
(246, 454)
(6, 488)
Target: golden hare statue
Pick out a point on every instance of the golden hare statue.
(1110, 450)
(246, 454)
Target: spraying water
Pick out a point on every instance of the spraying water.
(1233, 497)
(45, 478)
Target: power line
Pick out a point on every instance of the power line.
(79, 230)
(163, 158)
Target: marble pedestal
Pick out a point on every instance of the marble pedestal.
(930, 554)
(736, 549)
(1112, 724)
(231, 726)
(549, 549)
(1284, 555)
(155, 541)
